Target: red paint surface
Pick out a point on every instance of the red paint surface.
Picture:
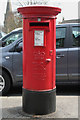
(39, 74)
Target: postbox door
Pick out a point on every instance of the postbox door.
(43, 60)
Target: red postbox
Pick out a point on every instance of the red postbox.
(39, 59)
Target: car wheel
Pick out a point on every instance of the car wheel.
(4, 83)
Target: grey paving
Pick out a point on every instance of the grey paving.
(11, 108)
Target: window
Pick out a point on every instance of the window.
(11, 39)
(76, 36)
(60, 36)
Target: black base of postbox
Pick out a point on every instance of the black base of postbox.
(39, 103)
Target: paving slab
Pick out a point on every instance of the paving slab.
(11, 108)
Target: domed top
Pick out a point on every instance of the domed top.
(37, 11)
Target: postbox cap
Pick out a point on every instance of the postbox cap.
(36, 11)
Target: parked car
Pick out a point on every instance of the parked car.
(2, 34)
(67, 56)
(11, 37)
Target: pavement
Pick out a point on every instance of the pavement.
(11, 108)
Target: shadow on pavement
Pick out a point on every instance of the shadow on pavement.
(15, 91)
(68, 90)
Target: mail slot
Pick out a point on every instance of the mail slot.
(39, 59)
(39, 24)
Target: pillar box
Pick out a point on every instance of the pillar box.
(39, 59)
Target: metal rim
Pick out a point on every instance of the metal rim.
(2, 83)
